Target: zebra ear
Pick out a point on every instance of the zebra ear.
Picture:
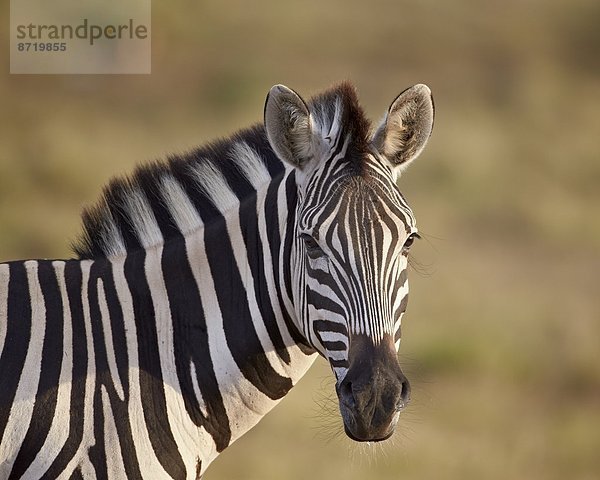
(404, 131)
(288, 126)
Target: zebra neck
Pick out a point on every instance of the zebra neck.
(175, 351)
(226, 333)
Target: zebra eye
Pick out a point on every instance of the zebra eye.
(312, 247)
(409, 241)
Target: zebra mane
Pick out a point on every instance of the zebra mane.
(165, 199)
(339, 105)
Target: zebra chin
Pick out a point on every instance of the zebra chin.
(359, 431)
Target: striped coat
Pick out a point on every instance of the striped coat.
(196, 299)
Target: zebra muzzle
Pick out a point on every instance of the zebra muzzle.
(372, 394)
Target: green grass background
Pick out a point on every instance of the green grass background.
(502, 335)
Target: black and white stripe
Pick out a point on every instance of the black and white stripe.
(194, 306)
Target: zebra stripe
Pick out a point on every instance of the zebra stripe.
(181, 442)
(57, 434)
(23, 400)
(138, 433)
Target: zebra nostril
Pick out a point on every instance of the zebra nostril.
(404, 393)
(346, 394)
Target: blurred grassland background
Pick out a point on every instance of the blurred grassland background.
(502, 336)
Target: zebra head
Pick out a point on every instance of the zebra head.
(352, 234)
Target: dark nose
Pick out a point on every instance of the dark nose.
(395, 394)
(373, 391)
(371, 401)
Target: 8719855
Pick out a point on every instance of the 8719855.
(42, 46)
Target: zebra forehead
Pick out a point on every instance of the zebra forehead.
(358, 201)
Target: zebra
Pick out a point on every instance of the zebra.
(204, 286)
